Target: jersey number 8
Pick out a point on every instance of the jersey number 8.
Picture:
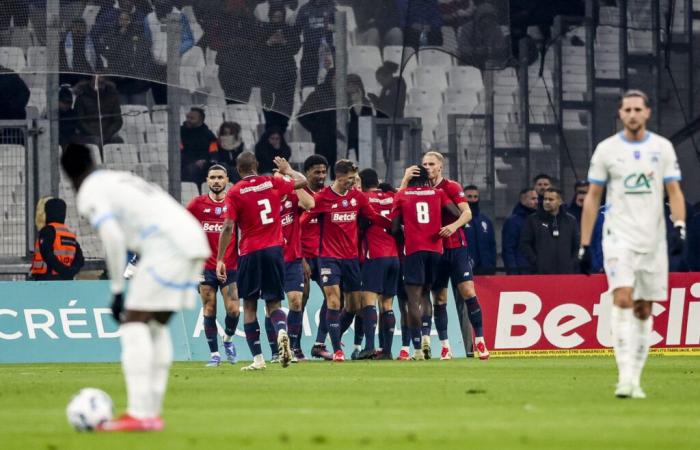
(422, 212)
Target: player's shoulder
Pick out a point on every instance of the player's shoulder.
(663, 142)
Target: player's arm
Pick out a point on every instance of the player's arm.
(464, 214)
(676, 201)
(591, 204)
(224, 241)
(306, 200)
(410, 172)
(285, 169)
(371, 214)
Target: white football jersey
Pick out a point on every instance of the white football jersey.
(635, 174)
(143, 211)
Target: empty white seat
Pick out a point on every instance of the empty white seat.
(427, 76)
(158, 173)
(12, 58)
(156, 133)
(242, 114)
(394, 53)
(120, 154)
(11, 154)
(424, 95)
(136, 114)
(301, 151)
(363, 56)
(461, 96)
(36, 58)
(465, 77)
(154, 153)
(188, 191)
(434, 58)
(159, 114)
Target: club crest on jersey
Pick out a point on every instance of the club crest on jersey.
(637, 154)
(288, 204)
(344, 203)
(218, 210)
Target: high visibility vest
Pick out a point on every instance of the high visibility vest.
(64, 247)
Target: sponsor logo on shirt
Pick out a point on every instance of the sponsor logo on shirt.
(638, 183)
(344, 217)
(287, 219)
(206, 210)
(353, 202)
(382, 201)
(212, 227)
(260, 187)
(421, 193)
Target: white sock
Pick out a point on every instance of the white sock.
(641, 335)
(403, 348)
(215, 354)
(357, 347)
(162, 359)
(622, 341)
(137, 356)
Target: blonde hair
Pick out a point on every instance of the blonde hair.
(435, 154)
(40, 212)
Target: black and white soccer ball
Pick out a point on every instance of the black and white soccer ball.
(89, 408)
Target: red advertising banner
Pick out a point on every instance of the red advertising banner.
(570, 315)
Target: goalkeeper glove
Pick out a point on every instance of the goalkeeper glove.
(677, 241)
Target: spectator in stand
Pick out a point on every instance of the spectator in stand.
(230, 145)
(315, 20)
(57, 254)
(515, 262)
(15, 11)
(359, 105)
(67, 127)
(156, 34)
(390, 103)
(278, 77)
(270, 146)
(597, 243)
(694, 243)
(481, 236)
(127, 53)
(107, 19)
(198, 146)
(550, 238)
(576, 205)
(377, 23)
(262, 10)
(317, 115)
(421, 21)
(14, 95)
(456, 13)
(480, 39)
(541, 183)
(99, 113)
(78, 58)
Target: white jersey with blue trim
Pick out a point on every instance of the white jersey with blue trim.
(635, 174)
(143, 211)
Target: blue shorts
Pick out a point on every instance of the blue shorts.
(211, 280)
(421, 268)
(335, 272)
(294, 276)
(381, 276)
(261, 275)
(454, 266)
(315, 273)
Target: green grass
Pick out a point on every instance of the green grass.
(537, 403)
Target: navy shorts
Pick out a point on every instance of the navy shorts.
(261, 275)
(421, 268)
(381, 275)
(294, 276)
(454, 266)
(335, 272)
(315, 273)
(211, 280)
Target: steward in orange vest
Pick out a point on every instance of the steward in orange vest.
(57, 254)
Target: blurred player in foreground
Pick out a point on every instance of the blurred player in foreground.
(636, 167)
(129, 213)
(210, 210)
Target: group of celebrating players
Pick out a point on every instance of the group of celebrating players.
(362, 242)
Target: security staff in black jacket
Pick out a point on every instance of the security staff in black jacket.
(550, 237)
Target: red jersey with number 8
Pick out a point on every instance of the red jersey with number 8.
(254, 204)
(421, 211)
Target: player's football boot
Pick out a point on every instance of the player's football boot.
(481, 349)
(256, 365)
(319, 351)
(214, 361)
(155, 424)
(638, 393)
(275, 358)
(418, 355)
(367, 354)
(445, 354)
(339, 356)
(355, 354)
(285, 349)
(425, 346)
(126, 422)
(403, 355)
(383, 355)
(230, 351)
(624, 390)
(298, 356)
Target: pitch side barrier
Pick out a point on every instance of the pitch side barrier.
(523, 316)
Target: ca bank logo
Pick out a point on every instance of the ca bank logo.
(639, 183)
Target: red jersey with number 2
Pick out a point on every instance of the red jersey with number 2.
(421, 211)
(378, 241)
(254, 204)
(455, 194)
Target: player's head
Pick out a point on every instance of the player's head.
(421, 180)
(247, 164)
(369, 179)
(345, 175)
(432, 161)
(552, 200)
(386, 187)
(528, 198)
(77, 163)
(541, 183)
(217, 178)
(634, 110)
(316, 171)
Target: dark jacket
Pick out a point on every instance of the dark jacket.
(575, 210)
(129, 53)
(597, 243)
(546, 252)
(14, 95)
(676, 263)
(197, 144)
(481, 239)
(317, 115)
(514, 261)
(387, 104)
(56, 212)
(86, 108)
(228, 159)
(693, 243)
(266, 153)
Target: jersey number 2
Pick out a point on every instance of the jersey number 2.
(422, 212)
(266, 209)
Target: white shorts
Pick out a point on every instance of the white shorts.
(646, 273)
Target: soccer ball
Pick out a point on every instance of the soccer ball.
(89, 408)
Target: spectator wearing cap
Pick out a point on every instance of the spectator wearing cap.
(481, 236)
(576, 205)
(515, 262)
(198, 145)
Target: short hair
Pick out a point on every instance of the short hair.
(524, 191)
(471, 187)
(218, 167)
(386, 187)
(200, 111)
(344, 167)
(554, 190)
(246, 162)
(581, 183)
(634, 93)
(369, 178)
(315, 160)
(76, 160)
(541, 176)
(434, 154)
(420, 180)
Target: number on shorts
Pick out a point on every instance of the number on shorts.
(422, 212)
(266, 209)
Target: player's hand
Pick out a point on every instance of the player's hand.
(412, 171)
(221, 271)
(677, 242)
(117, 306)
(585, 260)
(447, 230)
(282, 165)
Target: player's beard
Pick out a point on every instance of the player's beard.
(216, 190)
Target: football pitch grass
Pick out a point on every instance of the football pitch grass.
(533, 403)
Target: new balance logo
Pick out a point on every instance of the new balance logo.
(344, 217)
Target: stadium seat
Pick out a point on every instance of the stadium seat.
(153, 153)
(120, 154)
(243, 114)
(188, 191)
(394, 52)
(301, 151)
(425, 96)
(465, 77)
(426, 76)
(434, 58)
(135, 114)
(95, 152)
(159, 113)
(363, 56)
(461, 96)
(36, 58)
(10, 175)
(156, 133)
(158, 173)
(12, 58)
(11, 154)
(133, 134)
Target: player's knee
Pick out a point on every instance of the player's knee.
(622, 297)
(642, 310)
(466, 289)
(295, 301)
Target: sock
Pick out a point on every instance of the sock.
(252, 336)
(271, 336)
(359, 327)
(210, 333)
(345, 320)
(162, 359)
(441, 321)
(475, 316)
(622, 337)
(416, 338)
(230, 324)
(369, 325)
(405, 336)
(322, 331)
(294, 325)
(641, 337)
(137, 365)
(333, 321)
(387, 332)
(279, 320)
(426, 325)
